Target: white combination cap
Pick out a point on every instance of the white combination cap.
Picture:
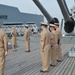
(42, 23)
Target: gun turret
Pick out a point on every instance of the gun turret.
(69, 22)
(45, 13)
(66, 7)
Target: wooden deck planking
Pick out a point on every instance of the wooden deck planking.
(57, 68)
(28, 57)
(18, 63)
(65, 67)
(73, 69)
(70, 67)
(39, 73)
(23, 65)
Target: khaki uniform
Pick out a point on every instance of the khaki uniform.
(59, 53)
(3, 38)
(27, 39)
(54, 48)
(14, 38)
(45, 36)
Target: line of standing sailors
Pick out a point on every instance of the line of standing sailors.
(50, 46)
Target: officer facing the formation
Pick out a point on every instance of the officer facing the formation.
(59, 53)
(13, 32)
(27, 38)
(53, 46)
(45, 47)
(3, 50)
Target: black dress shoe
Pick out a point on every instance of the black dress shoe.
(27, 51)
(59, 60)
(52, 65)
(43, 71)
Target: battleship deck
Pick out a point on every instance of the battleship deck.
(23, 63)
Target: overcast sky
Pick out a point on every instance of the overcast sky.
(28, 6)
